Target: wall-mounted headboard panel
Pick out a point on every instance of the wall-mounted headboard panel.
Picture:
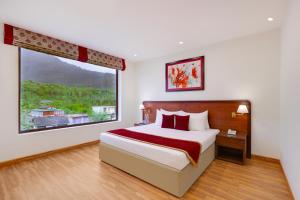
(219, 114)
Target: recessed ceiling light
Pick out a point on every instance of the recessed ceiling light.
(270, 19)
(180, 42)
(135, 55)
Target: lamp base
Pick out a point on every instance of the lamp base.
(234, 114)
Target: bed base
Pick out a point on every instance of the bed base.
(169, 179)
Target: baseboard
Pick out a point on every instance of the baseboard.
(268, 159)
(274, 160)
(287, 181)
(35, 156)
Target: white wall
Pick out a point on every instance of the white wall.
(245, 68)
(290, 97)
(14, 145)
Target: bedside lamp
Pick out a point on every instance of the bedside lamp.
(144, 112)
(242, 109)
(142, 107)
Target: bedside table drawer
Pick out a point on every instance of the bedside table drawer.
(230, 142)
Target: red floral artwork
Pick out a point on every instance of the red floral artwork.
(185, 75)
(194, 72)
(181, 79)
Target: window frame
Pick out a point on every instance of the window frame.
(59, 127)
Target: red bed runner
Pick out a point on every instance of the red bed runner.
(191, 149)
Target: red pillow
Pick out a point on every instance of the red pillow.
(182, 122)
(167, 121)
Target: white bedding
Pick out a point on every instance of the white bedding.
(170, 157)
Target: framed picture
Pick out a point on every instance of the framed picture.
(185, 75)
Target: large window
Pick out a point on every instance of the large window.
(56, 92)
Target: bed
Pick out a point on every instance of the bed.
(165, 168)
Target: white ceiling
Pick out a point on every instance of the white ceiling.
(148, 28)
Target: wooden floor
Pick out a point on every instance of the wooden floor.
(78, 174)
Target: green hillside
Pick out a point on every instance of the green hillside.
(71, 99)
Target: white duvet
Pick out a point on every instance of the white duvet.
(170, 157)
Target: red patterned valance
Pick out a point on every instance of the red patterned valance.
(30, 40)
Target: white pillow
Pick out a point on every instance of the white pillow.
(182, 113)
(158, 118)
(165, 112)
(198, 121)
(159, 113)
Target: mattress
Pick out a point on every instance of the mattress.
(170, 157)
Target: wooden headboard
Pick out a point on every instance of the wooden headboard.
(219, 114)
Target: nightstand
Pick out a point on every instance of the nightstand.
(139, 124)
(231, 147)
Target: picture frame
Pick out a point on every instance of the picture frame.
(185, 75)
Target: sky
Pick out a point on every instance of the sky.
(87, 66)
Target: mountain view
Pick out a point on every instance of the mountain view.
(60, 92)
(45, 68)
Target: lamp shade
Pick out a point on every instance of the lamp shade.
(141, 107)
(242, 109)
